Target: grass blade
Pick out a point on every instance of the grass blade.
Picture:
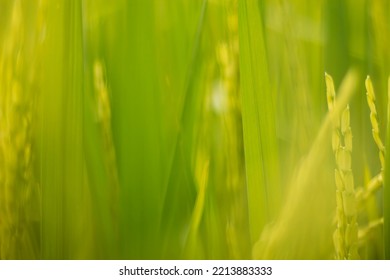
(260, 140)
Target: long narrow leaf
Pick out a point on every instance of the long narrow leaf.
(260, 140)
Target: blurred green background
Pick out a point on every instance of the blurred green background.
(186, 129)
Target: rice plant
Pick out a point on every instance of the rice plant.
(160, 129)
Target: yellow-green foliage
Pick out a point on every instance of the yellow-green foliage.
(160, 129)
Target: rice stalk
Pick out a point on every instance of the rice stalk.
(374, 122)
(346, 234)
(291, 236)
(100, 149)
(233, 188)
(373, 211)
(19, 189)
(371, 188)
(369, 229)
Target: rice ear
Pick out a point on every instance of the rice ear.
(346, 231)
